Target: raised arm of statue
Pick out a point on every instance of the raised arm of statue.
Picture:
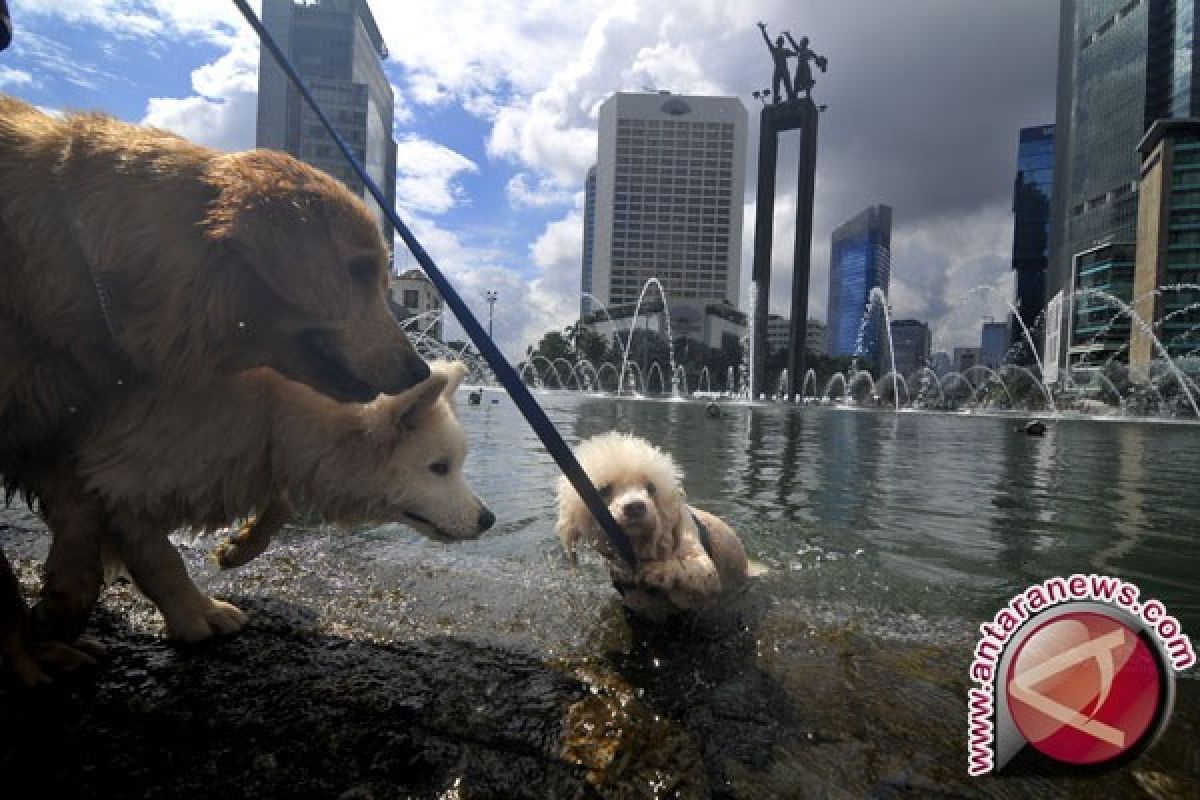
(762, 28)
(803, 52)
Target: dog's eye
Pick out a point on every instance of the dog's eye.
(362, 270)
(606, 491)
(650, 488)
(439, 468)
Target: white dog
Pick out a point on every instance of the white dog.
(687, 558)
(252, 443)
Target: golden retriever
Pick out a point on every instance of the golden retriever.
(200, 460)
(687, 558)
(134, 259)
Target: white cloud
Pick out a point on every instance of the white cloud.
(545, 193)
(48, 57)
(217, 22)
(425, 175)
(11, 78)
(223, 111)
(525, 309)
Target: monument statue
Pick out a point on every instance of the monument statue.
(804, 78)
(779, 54)
(788, 112)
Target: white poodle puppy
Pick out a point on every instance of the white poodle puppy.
(686, 558)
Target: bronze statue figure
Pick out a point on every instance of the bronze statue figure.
(780, 55)
(804, 78)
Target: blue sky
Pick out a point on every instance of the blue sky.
(496, 110)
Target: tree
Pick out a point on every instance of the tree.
(592, 346)
(555, 345)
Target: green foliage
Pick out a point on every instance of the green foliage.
(578, 342)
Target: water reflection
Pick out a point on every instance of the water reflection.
(939, 514)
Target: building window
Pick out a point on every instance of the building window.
(411, 298)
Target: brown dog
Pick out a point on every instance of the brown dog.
(132, 258)
(687, 557)
(199, 460)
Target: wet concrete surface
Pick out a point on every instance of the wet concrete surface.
(424, 680)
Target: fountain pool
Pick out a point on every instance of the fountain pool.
(841, 672)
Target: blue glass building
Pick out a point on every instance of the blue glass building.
(860, 259)
(1032, 193)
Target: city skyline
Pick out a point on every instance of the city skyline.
(497, 110)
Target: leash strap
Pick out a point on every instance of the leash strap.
(705, 538)
(622, 585)
(534, 415)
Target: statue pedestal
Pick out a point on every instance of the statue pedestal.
(776, 118)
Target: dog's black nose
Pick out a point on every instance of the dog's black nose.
(635, 509)
(486, 519)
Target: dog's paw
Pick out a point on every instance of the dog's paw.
(33, 663)
(225, 617)
(242, 546)
(214, 617)
(230, 554)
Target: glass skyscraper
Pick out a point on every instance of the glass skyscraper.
(911, 341)
(337, 49)
(860, 259)
(1122, 65)
(589, 242)
(1032, 192)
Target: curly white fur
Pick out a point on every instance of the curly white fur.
(643, 487)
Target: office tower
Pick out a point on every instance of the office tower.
(911, 341)
(940, 362)
(967, 357)
(860, 260)
(1032, 191)
(994, 343)
(589, 242)
(1168, 244)
(1122, 65)
(814, 335)
(779, 329)
(337, 49)
(670, 175)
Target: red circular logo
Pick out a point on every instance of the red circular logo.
(1084, 688)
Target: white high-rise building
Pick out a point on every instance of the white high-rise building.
(670, 176)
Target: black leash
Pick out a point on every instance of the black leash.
(622, 585)
(504, 372)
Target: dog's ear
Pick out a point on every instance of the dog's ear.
(401, 411)
(285, 220)
(455, 371)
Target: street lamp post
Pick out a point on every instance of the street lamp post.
(490, 295)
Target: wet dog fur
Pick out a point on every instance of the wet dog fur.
(643, 487)
(134, 259)
(255, 443)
